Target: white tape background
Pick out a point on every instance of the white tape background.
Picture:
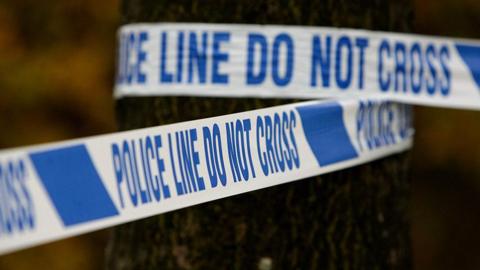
(461, 78)
(47, 197)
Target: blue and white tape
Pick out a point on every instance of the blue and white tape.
(296, 62)
(53, 191)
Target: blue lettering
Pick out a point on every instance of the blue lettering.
(219, 57)
(288, 42)
(383, 51)
(118, 168)
(444, 58)
(197, 57)
(253, 41)
(146, 174)
(343, 42)
(196, 159)
(361, 44)
(178, 184)
(238, 149)
(276, 145)
(16, 205)
(136, 178)
(322, 59)
(261, 154)
(294, 151)
(247, 128)
(430, 56)
(232, 151)
(141, 57)
(219, 161)
(278, 142)
(286, 153)
(132, 188)
(209, 156)
(130, 69)
(239, 143)
(180, 42)
(416, 57)
(269, 144)
(374, 125)
(165, 76)
(184, 157)
(400, 66)
(153, 186)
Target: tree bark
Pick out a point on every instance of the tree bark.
(353, 219)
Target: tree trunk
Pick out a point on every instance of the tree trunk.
(353, 219)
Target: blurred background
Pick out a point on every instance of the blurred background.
(56, 78)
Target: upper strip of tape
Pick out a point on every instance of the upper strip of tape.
(232, 60)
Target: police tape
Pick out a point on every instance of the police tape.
(57, 190)
(296, 62)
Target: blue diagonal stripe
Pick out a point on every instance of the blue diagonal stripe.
(471, 56)
(326, 133)
(73, 184)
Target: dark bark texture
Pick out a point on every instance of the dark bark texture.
(353, 219)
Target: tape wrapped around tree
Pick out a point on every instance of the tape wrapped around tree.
(353, 219)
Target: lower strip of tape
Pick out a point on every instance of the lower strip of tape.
(53, 191)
